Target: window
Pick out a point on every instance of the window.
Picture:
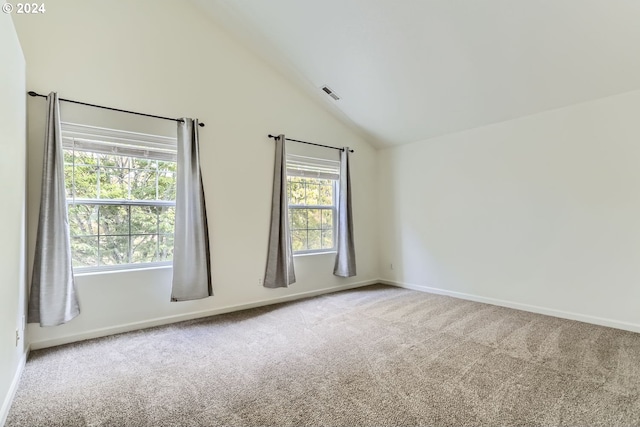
(121, 191)
(312, 194)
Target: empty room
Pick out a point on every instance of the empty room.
(320, 213)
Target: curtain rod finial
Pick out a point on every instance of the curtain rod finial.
(32, 93)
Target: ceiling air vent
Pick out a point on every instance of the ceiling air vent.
(331, 93)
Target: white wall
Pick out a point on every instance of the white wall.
(12, 214)
(540, 213)
(166, 58)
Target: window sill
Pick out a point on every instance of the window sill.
(127, 269)
(315, 253)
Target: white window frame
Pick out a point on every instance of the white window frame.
(78, 137)
(310, 167)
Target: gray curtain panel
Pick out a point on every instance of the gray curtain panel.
(345, 265)
(279, 272)
(53, 299)
(191, 260)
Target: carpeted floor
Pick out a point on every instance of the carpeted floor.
(373, 356)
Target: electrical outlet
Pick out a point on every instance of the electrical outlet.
(260, 281)
(391, 266)
(17, 337)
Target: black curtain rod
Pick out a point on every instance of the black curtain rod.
(310, 143)
(32, 93)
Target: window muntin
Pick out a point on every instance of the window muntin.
(312, 195)
(120, 198)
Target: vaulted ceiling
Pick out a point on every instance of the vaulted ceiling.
(409, 70)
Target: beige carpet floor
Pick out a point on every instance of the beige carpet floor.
(373, 356)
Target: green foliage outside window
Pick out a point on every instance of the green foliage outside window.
(311, 211)
(118, 233)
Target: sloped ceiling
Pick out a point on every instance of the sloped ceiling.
(409, 70)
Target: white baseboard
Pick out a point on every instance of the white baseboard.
(8, 399)
(612, 323)
(128, 327)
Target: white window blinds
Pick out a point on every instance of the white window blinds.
(310, 167)
(118, 142)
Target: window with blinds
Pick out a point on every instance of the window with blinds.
(312, 194)
(121, 197)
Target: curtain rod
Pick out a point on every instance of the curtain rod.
(32, 93)
(311, 143)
